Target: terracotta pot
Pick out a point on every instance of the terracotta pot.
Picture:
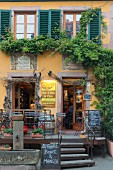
(37, 135)
(8, 135)
(27, 135)
(6, 149)
(110, 147)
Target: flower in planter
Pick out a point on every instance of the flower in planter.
(8, 130)
(37, 130)
(25, 128)
(5, 147)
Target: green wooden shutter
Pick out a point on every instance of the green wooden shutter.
(94, 28)
(55, 23)
(43, 22)
(5, 22)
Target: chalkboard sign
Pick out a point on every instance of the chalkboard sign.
(94, 118)
(87, 97)
(50, 156)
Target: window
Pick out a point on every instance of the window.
(72, 23)
(48, 22)
(24, 25)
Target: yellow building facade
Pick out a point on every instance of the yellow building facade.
(56, 94)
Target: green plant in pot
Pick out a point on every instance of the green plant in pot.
(37, 132)
(108, 126)
(8, 130)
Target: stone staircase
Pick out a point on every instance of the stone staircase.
(74, 155)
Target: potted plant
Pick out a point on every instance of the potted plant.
(25, 129)
(5, 147)
(108, 126)
(8, 131)
(37, 132)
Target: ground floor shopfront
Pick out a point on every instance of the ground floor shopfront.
(27, 91)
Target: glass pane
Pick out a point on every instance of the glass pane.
(20, 18)
(30, 28)
(69, 25)
(20, 28)
(78, 16)
(30, 36)
(30, 18)
(19, 36)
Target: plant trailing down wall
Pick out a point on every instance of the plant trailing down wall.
(80, 50)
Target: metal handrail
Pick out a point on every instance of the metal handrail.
(90, 139)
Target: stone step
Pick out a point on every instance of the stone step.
(73, 150)
(77, 163)
(74, 156)
(70, 145)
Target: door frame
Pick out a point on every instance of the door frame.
(62, 75)
(17, 75)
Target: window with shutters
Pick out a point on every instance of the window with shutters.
(49, 23)
(71, 23)
(24, 25)
(5, 22)
(94, 28)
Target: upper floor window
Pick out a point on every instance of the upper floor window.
(49, 22)
(72, 23)
(24, 25)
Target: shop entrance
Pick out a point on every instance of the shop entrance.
(73, 106)
(23, 95)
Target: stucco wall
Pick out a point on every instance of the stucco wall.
(47, 62)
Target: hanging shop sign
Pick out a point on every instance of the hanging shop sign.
(48, 94)
(86, 96)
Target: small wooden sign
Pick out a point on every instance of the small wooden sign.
(50, 157)
(86, 96)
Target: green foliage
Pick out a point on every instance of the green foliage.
(108, 125)
(38, 130)
(7, 146)
(8, 130)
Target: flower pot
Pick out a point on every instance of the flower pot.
(110, 147)
(26, 135)
(5, 149)
(37, 135)
(8, 135)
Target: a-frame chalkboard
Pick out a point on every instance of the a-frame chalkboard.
(50, 158)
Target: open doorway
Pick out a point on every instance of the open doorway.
(73, 106)
(23, 95)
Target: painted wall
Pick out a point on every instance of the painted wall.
(49, 62)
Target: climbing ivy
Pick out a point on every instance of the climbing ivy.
(80, 50)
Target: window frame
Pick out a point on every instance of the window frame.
(74, 13)
(25, 13)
